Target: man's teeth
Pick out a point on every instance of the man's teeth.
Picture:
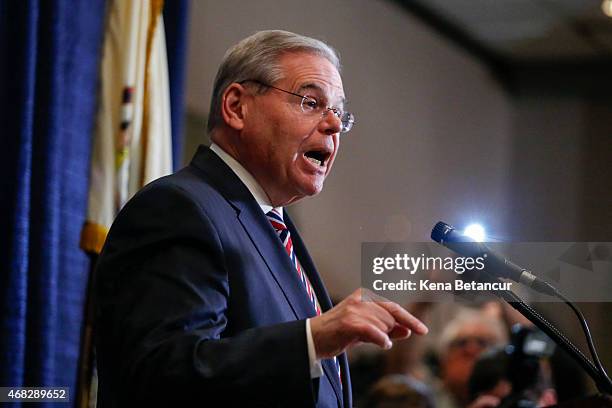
(314, 161)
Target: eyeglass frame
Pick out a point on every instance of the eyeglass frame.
(463, 341)
(350, 121)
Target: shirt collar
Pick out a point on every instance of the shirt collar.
(247, 179)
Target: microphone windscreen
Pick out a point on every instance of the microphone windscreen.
(439, 231)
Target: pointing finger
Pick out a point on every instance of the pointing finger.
(404, 318)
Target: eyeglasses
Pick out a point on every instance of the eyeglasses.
(311, 106)
(463, 342)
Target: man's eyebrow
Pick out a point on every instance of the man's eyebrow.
(318, 88)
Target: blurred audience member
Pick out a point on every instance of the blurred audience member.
(399, 391)
(469, 334)
(517, 375)
(447, 368)
(489, 384)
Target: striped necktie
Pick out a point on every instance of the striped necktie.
(276, 219)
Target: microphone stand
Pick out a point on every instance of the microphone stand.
(602, 383)
(558, 337)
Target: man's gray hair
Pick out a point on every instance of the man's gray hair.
(468, 316)
(256, 58)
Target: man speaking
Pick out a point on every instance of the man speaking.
(206, 295)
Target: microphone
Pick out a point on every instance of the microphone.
(496, 264)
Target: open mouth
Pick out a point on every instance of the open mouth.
(317, 157)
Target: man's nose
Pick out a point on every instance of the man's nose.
(330, 123)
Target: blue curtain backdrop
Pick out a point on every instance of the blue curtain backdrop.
(176, 14)
(50, 52)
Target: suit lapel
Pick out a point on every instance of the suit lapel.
(258, 228)
(263, 236)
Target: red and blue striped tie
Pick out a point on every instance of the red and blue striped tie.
(276, 219)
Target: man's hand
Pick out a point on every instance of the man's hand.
(362, 317)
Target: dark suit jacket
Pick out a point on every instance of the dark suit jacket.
(198, 304)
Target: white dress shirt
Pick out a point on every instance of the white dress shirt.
(262, 199)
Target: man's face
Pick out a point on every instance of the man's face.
(457, 365)
(278, 137)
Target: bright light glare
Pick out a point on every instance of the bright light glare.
(475, 231)
(606, 6)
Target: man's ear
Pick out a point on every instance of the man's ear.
(232, 106)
